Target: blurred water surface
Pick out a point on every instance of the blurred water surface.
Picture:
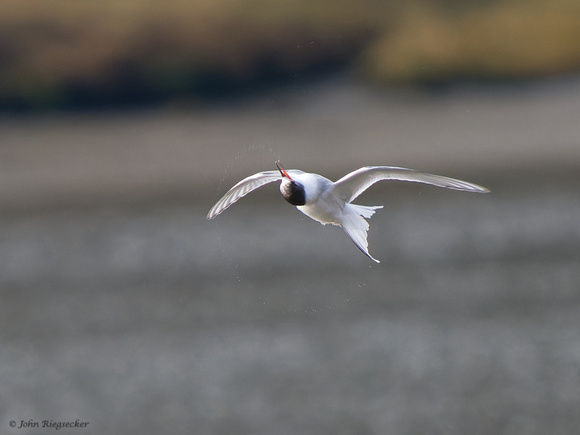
(146, 318)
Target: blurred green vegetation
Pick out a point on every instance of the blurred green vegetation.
(63, 53)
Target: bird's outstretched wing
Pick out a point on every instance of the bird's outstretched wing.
(241, 189)
(352, 185)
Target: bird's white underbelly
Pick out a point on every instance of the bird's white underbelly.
(323, 212)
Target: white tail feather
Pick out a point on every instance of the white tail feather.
(356, 226)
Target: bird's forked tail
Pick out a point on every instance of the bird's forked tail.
(355, 225)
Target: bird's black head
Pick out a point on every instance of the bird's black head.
(291, 190)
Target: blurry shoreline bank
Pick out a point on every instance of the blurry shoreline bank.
(331, 126)
(64, 54)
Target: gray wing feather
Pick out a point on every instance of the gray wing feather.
(352, 185)
(241, 189)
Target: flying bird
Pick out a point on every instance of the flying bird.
(330, 202)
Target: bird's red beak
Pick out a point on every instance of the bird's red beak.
(282, 170)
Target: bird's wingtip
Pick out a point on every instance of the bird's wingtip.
(211, 214)
(480, 189)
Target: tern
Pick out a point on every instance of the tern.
(330, 202)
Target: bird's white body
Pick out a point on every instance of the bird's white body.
(330, 202)
(320, 204)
